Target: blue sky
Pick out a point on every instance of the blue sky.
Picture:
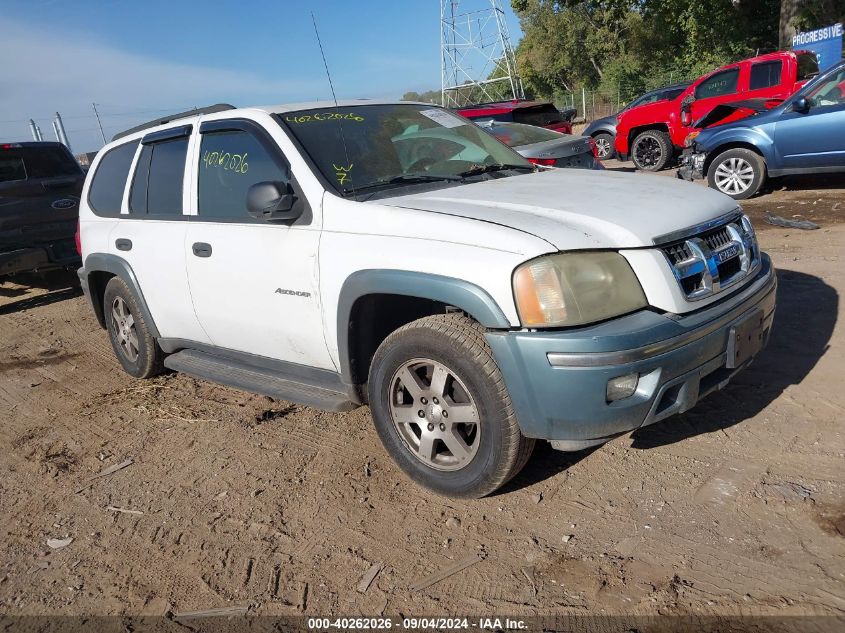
(138, 59)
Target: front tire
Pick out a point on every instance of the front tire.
(134, 345)
(652, 150)
(604, 146)
(738, 172)
(442, 410)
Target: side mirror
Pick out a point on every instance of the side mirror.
(802, 105)
(272, 201)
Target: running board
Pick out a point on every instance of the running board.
(245, 377)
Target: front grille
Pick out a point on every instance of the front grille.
(715, 259)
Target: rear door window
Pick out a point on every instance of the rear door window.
(157, 185)
(765, 75)
(720, 84)
(106, 192)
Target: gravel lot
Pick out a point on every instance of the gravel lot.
(231, 499)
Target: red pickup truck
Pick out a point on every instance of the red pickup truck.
(650, 134)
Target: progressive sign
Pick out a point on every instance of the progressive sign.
(826, 43)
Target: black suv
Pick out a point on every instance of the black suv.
(40, 186)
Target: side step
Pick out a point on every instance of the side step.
(246, 377)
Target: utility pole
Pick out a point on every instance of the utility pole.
(97, 114)
(60, 127)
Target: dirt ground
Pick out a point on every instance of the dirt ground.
(235, 500)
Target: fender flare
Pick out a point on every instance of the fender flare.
(461, 294)
(119, 267)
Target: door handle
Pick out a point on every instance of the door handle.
(201, 249)
(123, 244)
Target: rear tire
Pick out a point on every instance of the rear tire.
(604, 146)
(134, 345)
(652, 150)
(442, 410)
(739, 173)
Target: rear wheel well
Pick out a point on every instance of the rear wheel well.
(97, 282)
(374, 317)
(711, 156)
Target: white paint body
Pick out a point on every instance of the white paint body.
(476, 232)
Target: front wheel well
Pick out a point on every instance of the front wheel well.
(713, 154)
(634, 132)
(373, 318)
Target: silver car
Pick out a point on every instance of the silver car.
(546, 147)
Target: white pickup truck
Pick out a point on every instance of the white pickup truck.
(396, 255)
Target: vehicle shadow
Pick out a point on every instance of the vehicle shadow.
(792, 352)
(806, 315)
(59, 286)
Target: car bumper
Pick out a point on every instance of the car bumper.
(58, 254)
(558, 380)
(691, 165)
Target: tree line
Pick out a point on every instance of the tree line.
(629, 46)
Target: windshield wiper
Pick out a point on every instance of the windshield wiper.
(486, 169)
(403, 179)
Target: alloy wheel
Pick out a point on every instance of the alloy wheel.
(124, 328)
(434, 414)
(648, 152)
(603, 148)
(734, 176)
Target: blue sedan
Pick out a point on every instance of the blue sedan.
(803, 135)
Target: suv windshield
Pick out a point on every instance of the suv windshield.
(367, 146)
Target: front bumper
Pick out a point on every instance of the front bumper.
(558, 380)
(691, 165)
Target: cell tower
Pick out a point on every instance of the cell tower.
(477, 58)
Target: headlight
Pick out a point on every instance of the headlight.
(575, 288)
(690, 138)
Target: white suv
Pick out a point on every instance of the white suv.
(396, 255)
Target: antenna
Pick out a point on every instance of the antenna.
(334, 97)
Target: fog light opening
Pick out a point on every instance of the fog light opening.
(622, 387)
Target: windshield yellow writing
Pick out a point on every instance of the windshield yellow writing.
(324, 116)
(226, 161)
(342, 173)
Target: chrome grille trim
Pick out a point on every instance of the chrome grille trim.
(714, 260)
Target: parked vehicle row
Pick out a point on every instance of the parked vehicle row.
(397, 255)
(805, 134)
(652, 134)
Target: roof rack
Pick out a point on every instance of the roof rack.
(217, 107)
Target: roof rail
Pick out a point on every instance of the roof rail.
(217, 107)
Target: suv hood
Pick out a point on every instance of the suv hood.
(577, 208)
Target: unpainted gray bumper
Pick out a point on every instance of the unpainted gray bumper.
(558, 380)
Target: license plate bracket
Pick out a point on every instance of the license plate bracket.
(745, 340)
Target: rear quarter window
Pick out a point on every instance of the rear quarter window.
(106, 193)
(808, 66)
(11, 168)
